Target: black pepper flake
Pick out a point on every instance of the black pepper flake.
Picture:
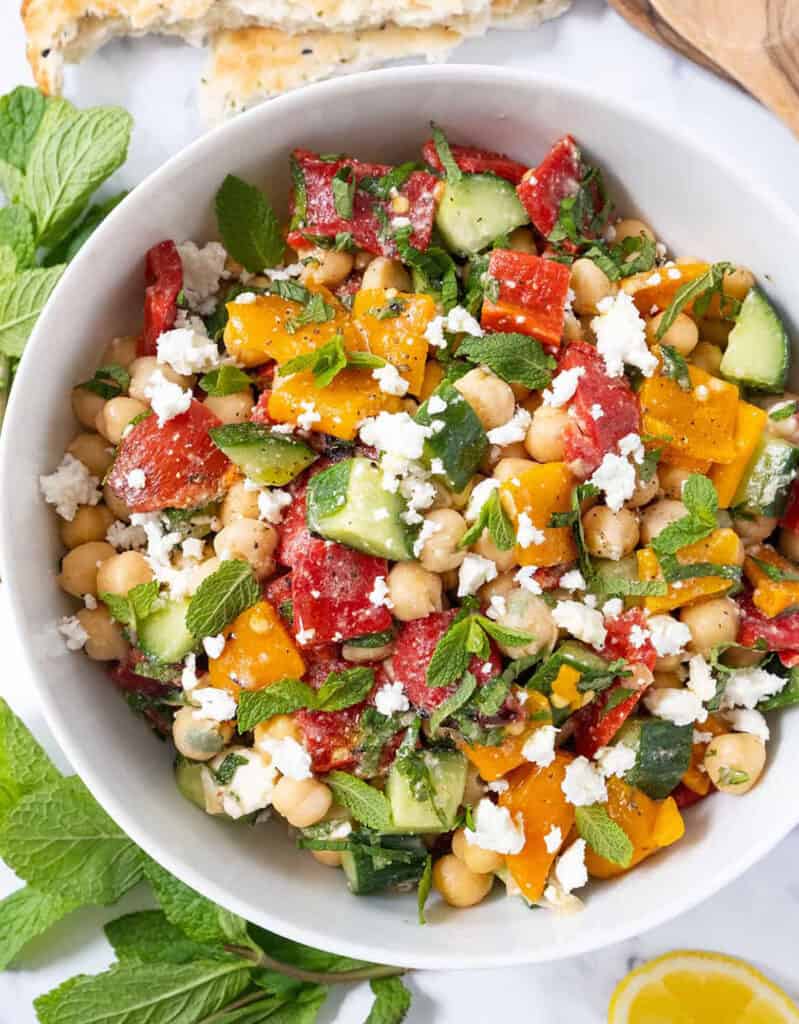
(306, 51)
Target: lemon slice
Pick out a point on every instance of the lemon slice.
(690, 987)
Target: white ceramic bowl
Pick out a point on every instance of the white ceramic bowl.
(697, 203)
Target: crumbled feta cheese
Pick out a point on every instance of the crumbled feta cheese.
(682, 707)
(214, 645)
(396, 433)
(192, 548)
(616, 477)
(573, 580)
(497, 607)
(597, 412)
(89, 602)
(249, 790)
(390, 699)
(457, 321)
(75, 636)
(435, 404)
(494, 829)
(638, 636)
(526, 533)
(271, 503)
(553, 839)
(288, 756)
(379, 594)
(674, 273)
(701, 392)
(563, 386)
(437, 467)
(390, 380)
(136, 479)
(308, 416)
(400, 222)
(612, 608)
(429, 527)
(748, 720)
(539, 747)
(525, 577)
(700, 678)
(479, 496)
(631, 444)
(124, 537)
(584, 623)
(615, 760)
(570, 870)
(217, 705)
(167, 399)
(305, 636)
(702, 737)
(285, 273)
(188, 675)
(584, 783)
(187, 351)
(473, 573)
(669, 636)
(746, 687)
(69, 486)
(621, 336)
(245, 298)
(498, 786)
(514, 430)
(202, 270)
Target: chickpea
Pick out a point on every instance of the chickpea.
(362, 259)
(94, 452)
(645, 491)
(572, 328)
(507, 468)
(590, 285)
(141, 371)
(522, 240)
(630, 227)
(115, 416)
(386, 273)
(610, 534)
(683, 335)
(490, 397)
(234, 408)
(120, 573)
(711, 622)
(278, 727)
(250, 540)
(738, 283)
(106, 640)
(460, 886)
(500, 586)
(485, 546)
(707, 357)
(414, 591)
(302, 802)
(239, 503)
(91, 522)
(79, 568)
(199, 738)
(742, 657)
(526, 613)
(482, 862)
(788, 544)
(669, 663)
(667, 680)
(121, 351)
(440, 551)
(327, 268)
(515, 451)
(544, 440)
(658, 516)
(754, 530)
(329, 858)
(115, 503)
(86, 405)
(672, 480)
(717, 332)
(735, 761)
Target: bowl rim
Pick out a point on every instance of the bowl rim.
(349, 87)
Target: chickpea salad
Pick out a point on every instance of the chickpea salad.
(452, 520)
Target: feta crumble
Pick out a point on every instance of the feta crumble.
(479, 496)
(617, 759)
(75, 636)
(573, 580)
(525, 577)
(187, 351)
(526, 533)
(539, 747)
(584, 623)
(583, 783)
(612, 608)
(682, 707)
(69, 486)
(396, 433)
(700, 678)
(249, 790)
(597, 412)
(514, 430)
(457, 321)
(429, 527)
(289, 757)
(308, 416)
(570, 870)
(638, 636)
(497, 607)
(217, 705)
(616, 477)
(379, 596)
(188, 675)
(271, 503)
(473, 573)
(436, 404)
(136, 479)
(563, 387)
(749, 720)
(631, 444)
(746, 687)
(193, 548)
(202, 271)
(390, 699)
(167, 399)
(124, 537)
(553, 839)
(494, 829)
(390, 380)
(498, 786)
(621, 336)
(305, 636)
(214, 645)
(669, 635)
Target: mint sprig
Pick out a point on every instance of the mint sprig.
(467, 636)
(515, 358)
(605, 836)
(451, 170)
(494, 518)
(700, 498)
(227, 380)
(129, 609)
(248, 226)
(327, 362)
(699, 292)
(340, 690)
(675, 367)
(365, 803)
(220, 598)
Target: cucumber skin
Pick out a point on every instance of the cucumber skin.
(469, 216)
(766, 483)
(462, 443)
(756, 313)
(411, 816)
(188, 778)
(268, 459)
(364, 878)
(663, 754)
(179, 641)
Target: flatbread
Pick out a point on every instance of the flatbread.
(68, 30)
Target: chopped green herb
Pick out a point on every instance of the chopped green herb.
(675, 366)
(343, 186)
(108, 382)
(451, 170)
(699, 291)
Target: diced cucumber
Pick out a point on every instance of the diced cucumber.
(460, 443)
(369, 641)
(662, 754)
(765, 485)
(188, 777)
(267, 458)
(376, 862)
(476, 210)
(447, 771)
(348, 503)
(758, 352)
(582, 655)
(164, 635)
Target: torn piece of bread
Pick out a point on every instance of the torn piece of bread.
(68, 30)
(252, 64)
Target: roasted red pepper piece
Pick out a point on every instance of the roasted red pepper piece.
(472, 160)
(277, 591)
(588, 440)
(685, 797)
(544, 188)
(628, 637)
(330, 588)
(790, 518)
(532, 296)
(780, 633)
(594, 727)
(182, 466)
(330, 737)
(370, 224)
(260, 413)
(163, 275)
(415, 645)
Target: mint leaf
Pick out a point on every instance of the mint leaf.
(221, 597)
(227, 380)
(68, 161)
(299, 955)
(619, 586)
(145, 993)
(199, 918)
(16, 231)
(24, 766)
(280, 698)
(699, 497)
(315, 311)
(365, 803)
(108, 381)
(784, 411)
(11, 181)
(502, 635)
(423, 891)
(24, 915)
(325, 363)
(59, 839)
(701, 287)
(21, 112)
(21, 301)
(149, 937)
(343, 689)
(675, 366)
(392, 1001)
(70, 244)
(450, 658)
(773, 572)
(515, 358)
(603, 835)
(451, 169)
(247, 223)
(303, 1008)
(491, 517)
(227, 769)
(343, 188)
(454, 702)
(129, 609)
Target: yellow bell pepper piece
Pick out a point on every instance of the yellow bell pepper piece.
(700, 422)
(669, 825)
(564, 688)
(771, 596)
(672, 458)
(351, 396)
(399, 339)
(722, 547)
(658, 287)
(433, 375)
(749, 426)
(494, 762)
(259, 651)
(540, 491)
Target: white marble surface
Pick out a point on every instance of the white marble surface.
(755, 917)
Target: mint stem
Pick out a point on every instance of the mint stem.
(260, 959)
(215, 1018)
